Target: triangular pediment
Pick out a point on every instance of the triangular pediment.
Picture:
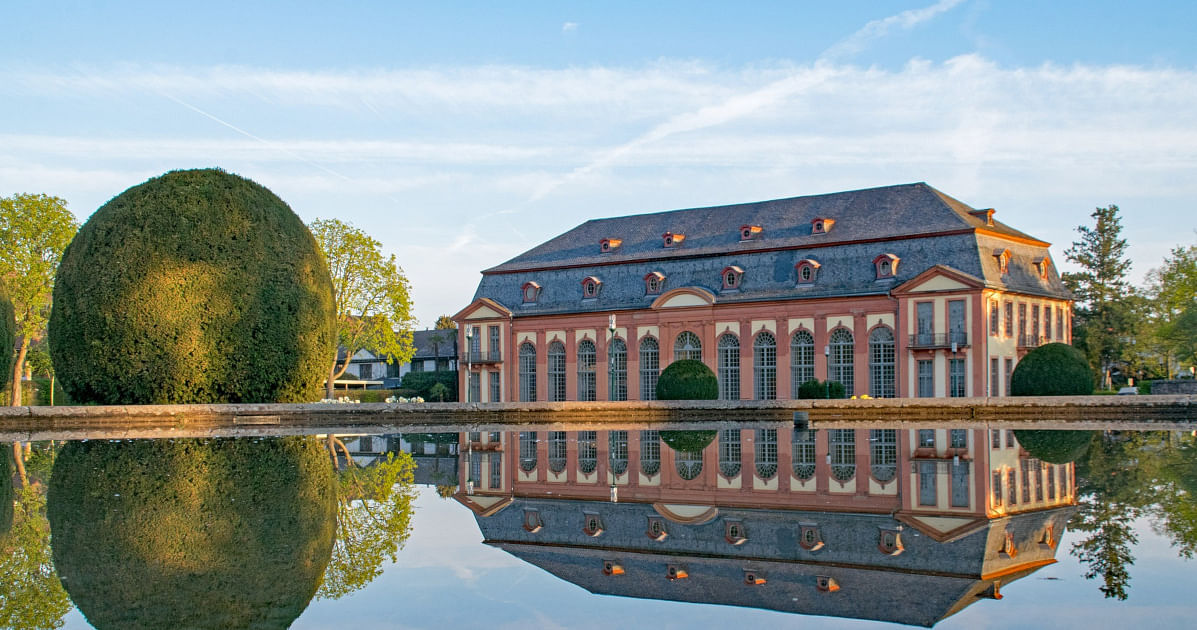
(483, 505)
(483, 308)
(939, 278)
(943, 528)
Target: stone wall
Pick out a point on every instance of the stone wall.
(1175, 386)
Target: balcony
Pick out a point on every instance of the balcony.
(938, 340)
(1031, 341)
(490, 356)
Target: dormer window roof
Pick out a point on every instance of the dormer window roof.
(653, 282)
(734, 532)
(821, 225)
(670, 239)
(808, 270)
(531, 291)
(749, 232)
(590, 287)
(889, 542)
(592, 525)
(732, 277)
(886, 266)
(1042, 265)
(609, 245)
(985, 215)
(1003, 259)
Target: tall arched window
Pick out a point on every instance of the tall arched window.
(842, 447)
(650, 368)
(528, 453)
(881, 363)
(587, 451)
(688, 464)
(802, 360)
(729, 452)
(618, 356)
(883, 453)
(586, 377)
(556, 371)
(764, 366)
(766, 453)
(558, 450)
(527, 372)
(839, 365)
(729, 367)
(687, 346)
(650, 452)
(617, 442)
(802, 445)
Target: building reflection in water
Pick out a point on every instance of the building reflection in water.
(901, 525)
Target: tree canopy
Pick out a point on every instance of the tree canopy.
(1172, 294)
(1103, 313)
(34, 231)
(8, 335)
(373, 299)
(444, 323)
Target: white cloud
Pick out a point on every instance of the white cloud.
(569, 27)
(877, 29)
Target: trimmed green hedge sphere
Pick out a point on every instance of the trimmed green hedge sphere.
(192, 533)
(814, 388)
(687, 441)
(687, 379)
(194, 287)
(8, 336)
(1055, 447)
(1055, 369)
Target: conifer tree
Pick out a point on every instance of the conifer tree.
(1102, 321)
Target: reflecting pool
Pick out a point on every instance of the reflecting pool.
(590, 527)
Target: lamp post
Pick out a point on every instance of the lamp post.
(610, 391)
(469, 333)
(827, 360)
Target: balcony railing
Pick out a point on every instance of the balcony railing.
(1031, 341)
(490, 356)
(938, 340)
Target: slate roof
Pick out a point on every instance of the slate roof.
(920, 225)
(422, 340)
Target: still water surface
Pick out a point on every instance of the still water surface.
(771, 527)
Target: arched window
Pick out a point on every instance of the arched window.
(528, 453)
(617, 442)
(650, 368)
(557, 451)
(842, 444)
(883, 453)
(802, 360)
(587, 451)
(527, 372)
(881, 363)
(802, 445)
(840, 363)
(586, 376)
(556, 371)
(618, 358)
(650, 452)
(531, 291)
(764, 366)
(729, 452)
(766, 453)
(687, 346)
(729, 367)
(688, 463)
(590, 287)
(653, 281)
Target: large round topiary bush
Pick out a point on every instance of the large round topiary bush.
(8, 335)
(687, 379)
(192, 533)
(194, 287)
(1055, 447)
(688, 441)
(1055, 369)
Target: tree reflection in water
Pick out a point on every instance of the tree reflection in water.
(31, 596)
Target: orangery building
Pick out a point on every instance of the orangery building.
(893, 291)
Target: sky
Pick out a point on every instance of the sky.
(460, 134)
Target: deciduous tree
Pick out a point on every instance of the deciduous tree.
(34, 231)
(372, 296)
(444, 323)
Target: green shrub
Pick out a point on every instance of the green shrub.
(192, 533)
(687, 441)
(367, 395)
(687, 379)
(422, 384)
(42, 392)
(8, 336)
(1055, 369)
(1055, 447)
(7, 494)
(193, 287)
(815, 388)
(1144, 387)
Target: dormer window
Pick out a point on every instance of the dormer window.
(592, 525)
(673, 240)
(531, 292)
(1008, 547)
(590, 287)
(732, 277)
(886, 266)
(735, 533)
(1003, 260)
(826, 584)
(532, 522)
(1042, 265)
(821, 225)
(653, 283)
(609, 244)
(1048, 540)
(889, 542)
(808, 271)
(656, 528)
(810, 538)
(753, 578)
(985, 215)
(749, 232)
(610, 567)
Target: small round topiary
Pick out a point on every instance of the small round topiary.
(814, 388)
(1055, 447)
(192, 533)
(1055, 369)
(194, 287)
(687, 379)
(8, 336)
(687, 441)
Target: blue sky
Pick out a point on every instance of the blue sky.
(462, 134)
